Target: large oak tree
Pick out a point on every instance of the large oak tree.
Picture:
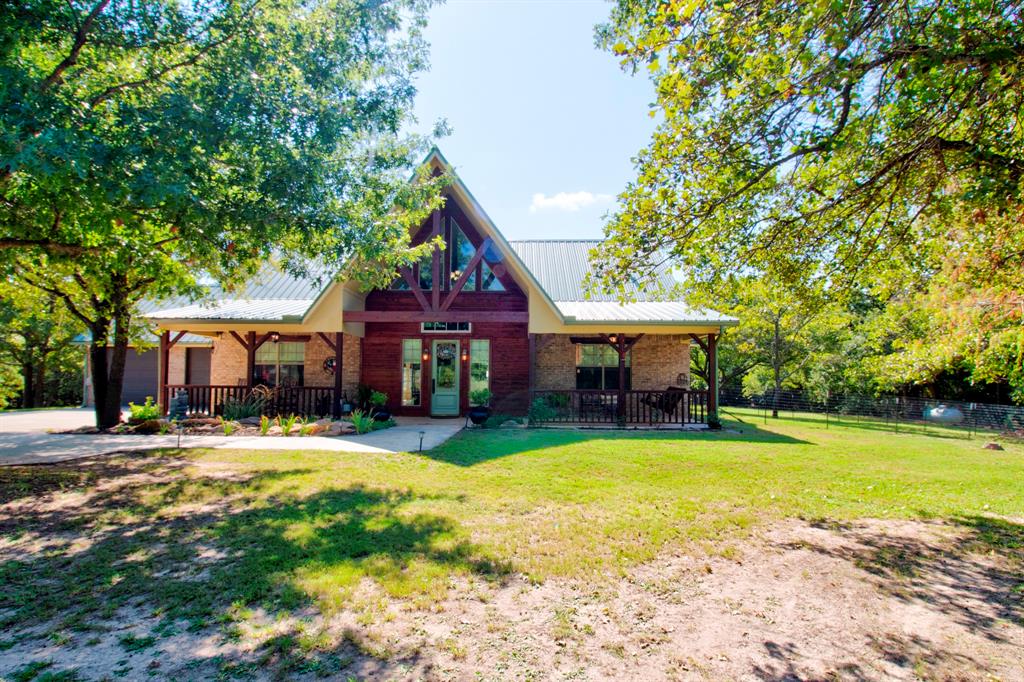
(814, 141)
(146, 144)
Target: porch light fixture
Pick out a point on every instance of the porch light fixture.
(275, 337)
(613, 338)
(426, 356)
(465, 354)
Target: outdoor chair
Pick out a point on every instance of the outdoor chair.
(664, 402)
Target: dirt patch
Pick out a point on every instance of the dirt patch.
(798, 600)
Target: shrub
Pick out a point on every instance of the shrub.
(228, 426)
(541, 411)
(264, 425)
(480, 397)
(240, 408)
(378, 399)
(149, 410)
(287, 424)
(362, 421)
(496, 420)
(363, 393)
(377, 426)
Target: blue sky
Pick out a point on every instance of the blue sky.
(535, 109)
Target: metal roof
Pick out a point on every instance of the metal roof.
(657, 312)
(560, 265)
(151, 339)
(275, 310)
(272, 295)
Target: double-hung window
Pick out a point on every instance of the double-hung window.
(280, 364)
(597, 367)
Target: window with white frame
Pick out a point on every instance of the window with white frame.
(434, 327)
(412, 369)
(280, 364)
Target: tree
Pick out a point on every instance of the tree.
(778, 336)
(36, 334)
(814, 142)
(145, 144)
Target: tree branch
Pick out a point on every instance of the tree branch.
(81, 35)
(48, 245)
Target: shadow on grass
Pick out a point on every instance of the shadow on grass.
(976, 577)
(475, 446)
(229, 545)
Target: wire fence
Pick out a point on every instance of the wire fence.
(892, 411)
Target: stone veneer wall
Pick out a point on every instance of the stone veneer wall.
(658, 361)
(227, 365)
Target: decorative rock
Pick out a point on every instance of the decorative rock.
(316, 428)
(84, 429)
(512, 424)
(249, 421)
(149, 426)
(992, 446)
(274, 430)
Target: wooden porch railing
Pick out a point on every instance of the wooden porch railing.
(602, 407)
(305, 401)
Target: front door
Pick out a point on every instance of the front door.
(444, 397)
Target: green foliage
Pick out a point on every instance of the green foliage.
(806, 141)
(378, 399)
(149, 146)
(145, 412)
(264, 425)
(481, 397)
(377, 425)
(362, 421)
(228, 426)
(496, 420)
(287, 424)
(541, 410)
(250, 405)
(39, 364)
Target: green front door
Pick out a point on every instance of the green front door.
(444, 396)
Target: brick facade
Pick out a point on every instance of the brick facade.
(227, 366)
(554, 363)
(658, 361)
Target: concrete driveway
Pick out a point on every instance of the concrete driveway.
(25, 438)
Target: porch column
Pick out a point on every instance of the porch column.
(164, 361)
(532, 371)
(250, 357)
(712, 377)
(339, 341)
(620, 342)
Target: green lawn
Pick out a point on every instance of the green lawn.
(206, 536)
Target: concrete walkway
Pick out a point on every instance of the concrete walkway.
(24, 438)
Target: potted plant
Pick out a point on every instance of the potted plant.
(379, 400)
(480, 411)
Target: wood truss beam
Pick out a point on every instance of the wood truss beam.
(466, 273)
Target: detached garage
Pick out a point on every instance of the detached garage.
(189, 363)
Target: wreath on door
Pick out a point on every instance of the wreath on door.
(330, 365)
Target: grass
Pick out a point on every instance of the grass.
(213, 534)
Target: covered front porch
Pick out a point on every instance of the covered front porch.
(649, 388)
(284, 373)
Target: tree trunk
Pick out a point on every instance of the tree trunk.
(776, 369)
(28, 392)
(115, 376)
(40, 382)
(98, 373)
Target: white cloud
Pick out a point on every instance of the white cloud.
(567, 201)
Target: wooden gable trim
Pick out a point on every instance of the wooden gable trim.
(414, 287)
(467, 273)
